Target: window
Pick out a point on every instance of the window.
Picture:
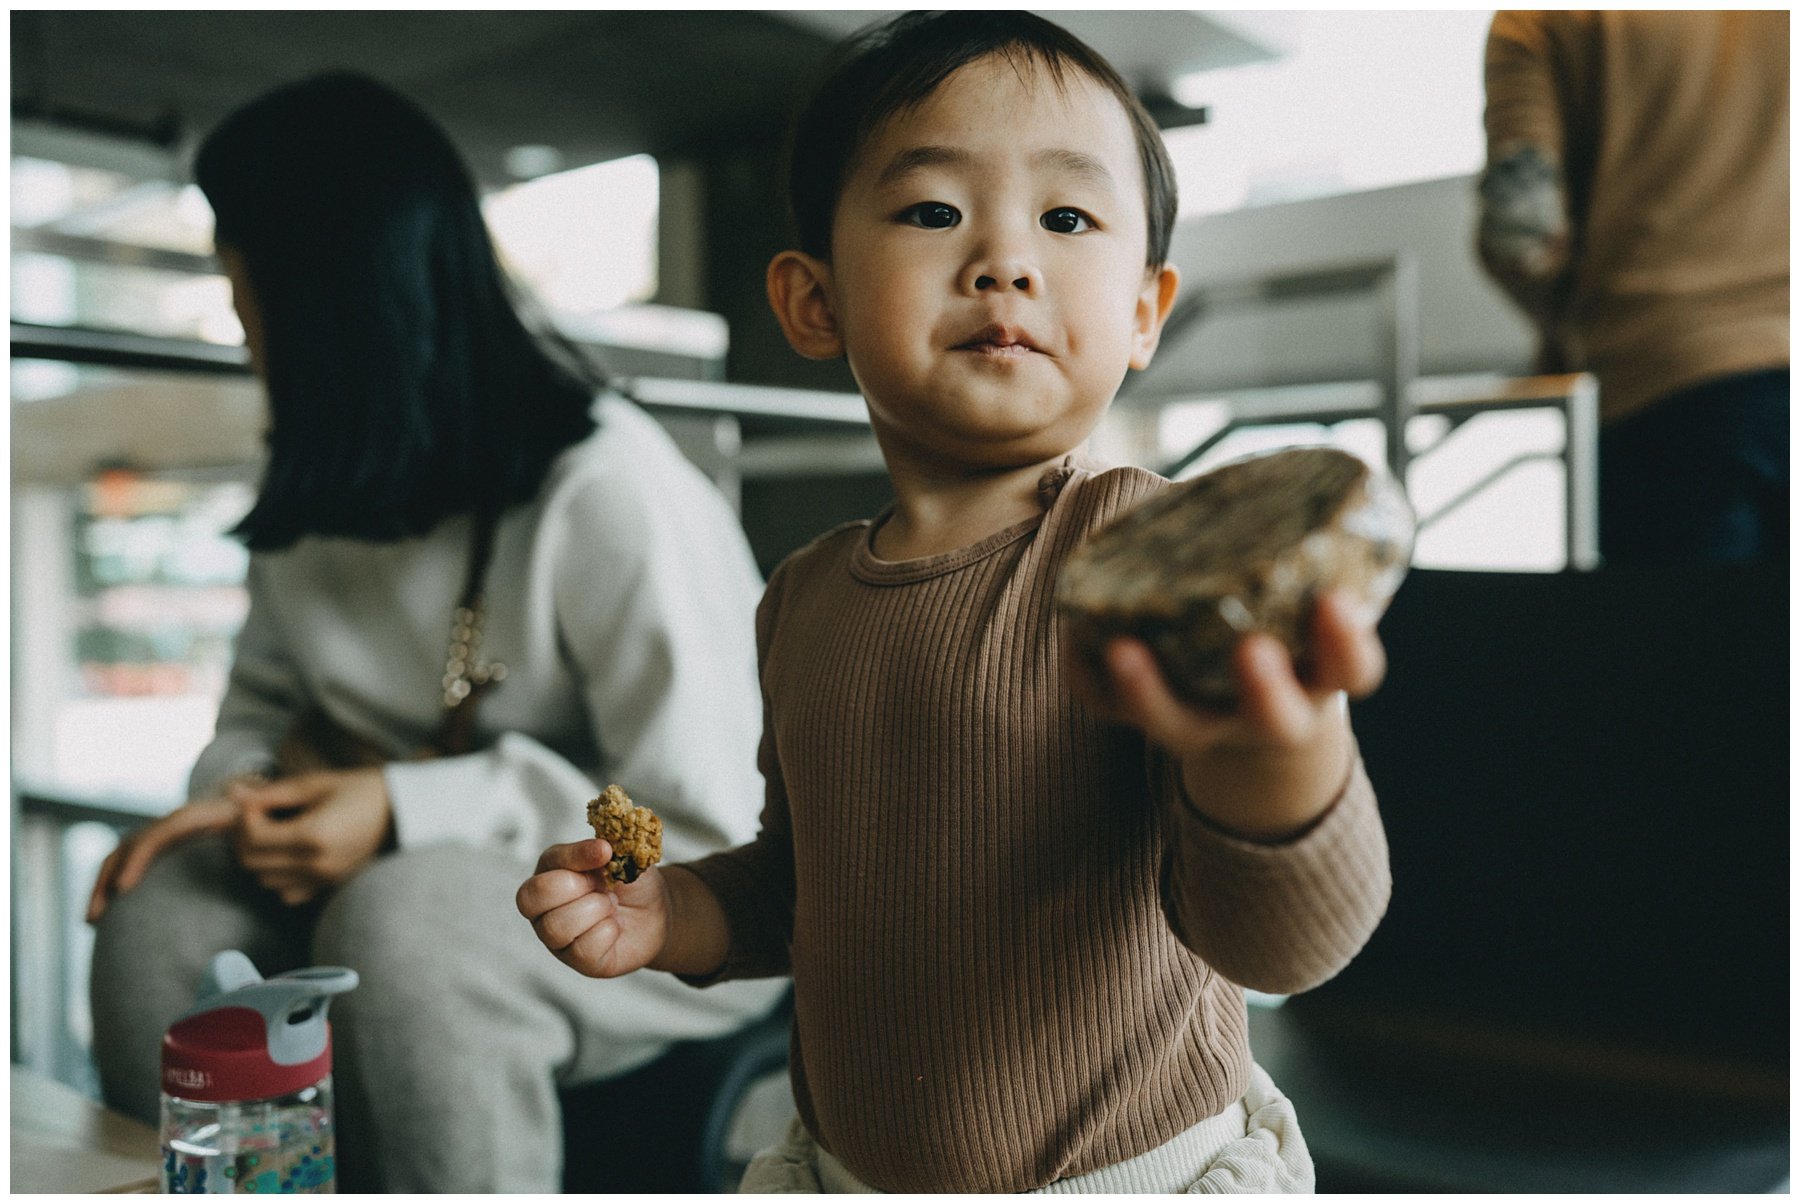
(1366, 100)
(131, 591)
(584, 239)
(100, 249)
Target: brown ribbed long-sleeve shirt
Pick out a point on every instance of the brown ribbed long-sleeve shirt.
(1016, 948)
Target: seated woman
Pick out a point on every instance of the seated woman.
(481, 588)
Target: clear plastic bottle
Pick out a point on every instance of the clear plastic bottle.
(283, 1144)
(246, 1103)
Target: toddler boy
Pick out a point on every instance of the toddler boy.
(1018, 921)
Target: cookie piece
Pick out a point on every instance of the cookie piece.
(1246, 547)
(634, 832)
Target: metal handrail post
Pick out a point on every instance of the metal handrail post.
(1581, 472)
(1397, 354)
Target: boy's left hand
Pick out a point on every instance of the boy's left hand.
(1272, 766)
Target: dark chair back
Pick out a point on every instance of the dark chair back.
(1584, 780)
(663, 1127)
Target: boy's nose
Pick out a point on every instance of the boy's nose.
(999, 274)
(1022, 283)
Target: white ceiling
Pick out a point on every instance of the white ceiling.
(594, 84)
(1150, 48)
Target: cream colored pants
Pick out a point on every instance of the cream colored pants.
(1252, 1146)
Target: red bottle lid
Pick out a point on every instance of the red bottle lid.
(223, 1055)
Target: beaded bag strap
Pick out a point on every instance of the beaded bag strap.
(467, 677)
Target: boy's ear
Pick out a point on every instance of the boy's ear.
(1153, 306)
(800, 294)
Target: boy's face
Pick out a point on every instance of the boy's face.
(987, 279)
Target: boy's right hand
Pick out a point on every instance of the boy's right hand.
(601, 933)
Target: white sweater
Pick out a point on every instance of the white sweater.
(622, 603)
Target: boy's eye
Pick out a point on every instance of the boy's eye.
(1065, 221)
(932, 215)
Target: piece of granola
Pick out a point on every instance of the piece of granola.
(634, 832)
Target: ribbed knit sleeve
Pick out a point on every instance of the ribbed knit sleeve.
(1284, 917)
(754, 883)
(1522, 85)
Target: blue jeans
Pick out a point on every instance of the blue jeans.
(1700, 477)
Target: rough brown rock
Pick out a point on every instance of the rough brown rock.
(634, 832)
(1246, 547)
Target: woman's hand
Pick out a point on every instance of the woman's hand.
(601, 933)
(124, 867)
(1272, 766)
(305, 834)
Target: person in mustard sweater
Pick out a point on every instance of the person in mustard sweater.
(1019, 922)
(1635, 206)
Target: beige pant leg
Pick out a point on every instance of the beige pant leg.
(786, 1168)
(1270, 1157)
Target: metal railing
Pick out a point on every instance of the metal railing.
(110, 348)
(1391, 284)
(1574, 397)
(47, 926)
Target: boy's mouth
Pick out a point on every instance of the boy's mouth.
(1000, 342)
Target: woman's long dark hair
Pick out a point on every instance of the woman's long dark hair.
(403, 387)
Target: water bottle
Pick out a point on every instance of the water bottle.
(246, 1077)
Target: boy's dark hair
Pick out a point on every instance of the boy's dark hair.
(897, 64)
(403, 386)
